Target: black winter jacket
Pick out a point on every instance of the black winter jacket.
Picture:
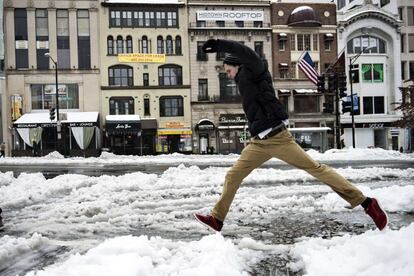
(263, 110)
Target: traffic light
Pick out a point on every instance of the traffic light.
(52, 114)
(346, 106)
(327, 107)
(342, 85)
(332, 83)
(321, 84)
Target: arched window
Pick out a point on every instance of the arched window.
(120, 75)
(169, 45)
(144, 45)
(160, 45)
(171, 106)
(129, 44)
(110, 45)
(170, 74)
(178, 45)
(119, 45)
(357, 44)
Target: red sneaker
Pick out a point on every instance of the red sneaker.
(378, 215)
(209, 221)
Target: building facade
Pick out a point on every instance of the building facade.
(40, 35)
(145, 72)
(370, 33)
(218, 121)
(300, 28)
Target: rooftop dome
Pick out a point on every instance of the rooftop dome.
(303, 16)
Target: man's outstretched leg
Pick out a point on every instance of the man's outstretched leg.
(251, 157)
(284, 147)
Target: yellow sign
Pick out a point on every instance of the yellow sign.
(174, 125)
(155, 58)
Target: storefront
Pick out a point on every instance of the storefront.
(148, 136)
(123, 134)
(205, 130)
(232, 133)
(311, 137)
(172, 140)
(35, 135)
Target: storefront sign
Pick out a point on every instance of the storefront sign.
(174, 131)
(368, 125)
(174, 125)
(85, 124)
(239, 119)
(131, 127)
(144, 58)
(227, 15)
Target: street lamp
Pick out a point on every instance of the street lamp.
(58, 126)
(351, 62)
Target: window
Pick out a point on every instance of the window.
(410, 16)
(258, 24)
(42, 38)
(327, 43)
(283, 70)
(304, 42)
(293, 70)
(355, 73)
(144, 45)
(292, 42)
(411, 43)
(20, 36)
(170, 75)
(127, 18)
(63, 43)
(239, 24)
(43, 96)
(110, 45)
(147, 107)
(201, 23)
(402, 43)
(281, 44)
(145, 79)
(400, 13)
(115, 19)
(169, 45)
(357, 44)
(84, 48)
(228, 88)
(119, 45)
(171, 19)
(201, 55)
(121, 105)
(171, 106)
(120, 75)
(160, 45)
(129, 44)
(178, 50)
(411, 70)
(341, 4)
(258, 48)
(306, 103)
(315, 42)
(403, 64)
(372, 72)
(202, 89)
(384, 2)
(373, 105)
(220, 23)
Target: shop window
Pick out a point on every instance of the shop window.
(120, 75)
(121, 105)
(169, 75)
(171, 106)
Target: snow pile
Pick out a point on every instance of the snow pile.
(372, 253)
(131, 256)
(54, 155)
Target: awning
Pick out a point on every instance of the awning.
(284, 91)
(305, 91)
(175, 131)
(123, 124)
(205, 124)
(73, 119)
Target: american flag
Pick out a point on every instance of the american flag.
(308, 67)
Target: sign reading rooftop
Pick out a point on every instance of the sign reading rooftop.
(223, 15)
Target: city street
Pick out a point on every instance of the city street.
(58, 224)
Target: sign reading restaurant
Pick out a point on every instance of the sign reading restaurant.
(224, 15)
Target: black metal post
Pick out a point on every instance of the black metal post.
(352, 101)
(338, 122)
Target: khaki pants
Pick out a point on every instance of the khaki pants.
(283, 147)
